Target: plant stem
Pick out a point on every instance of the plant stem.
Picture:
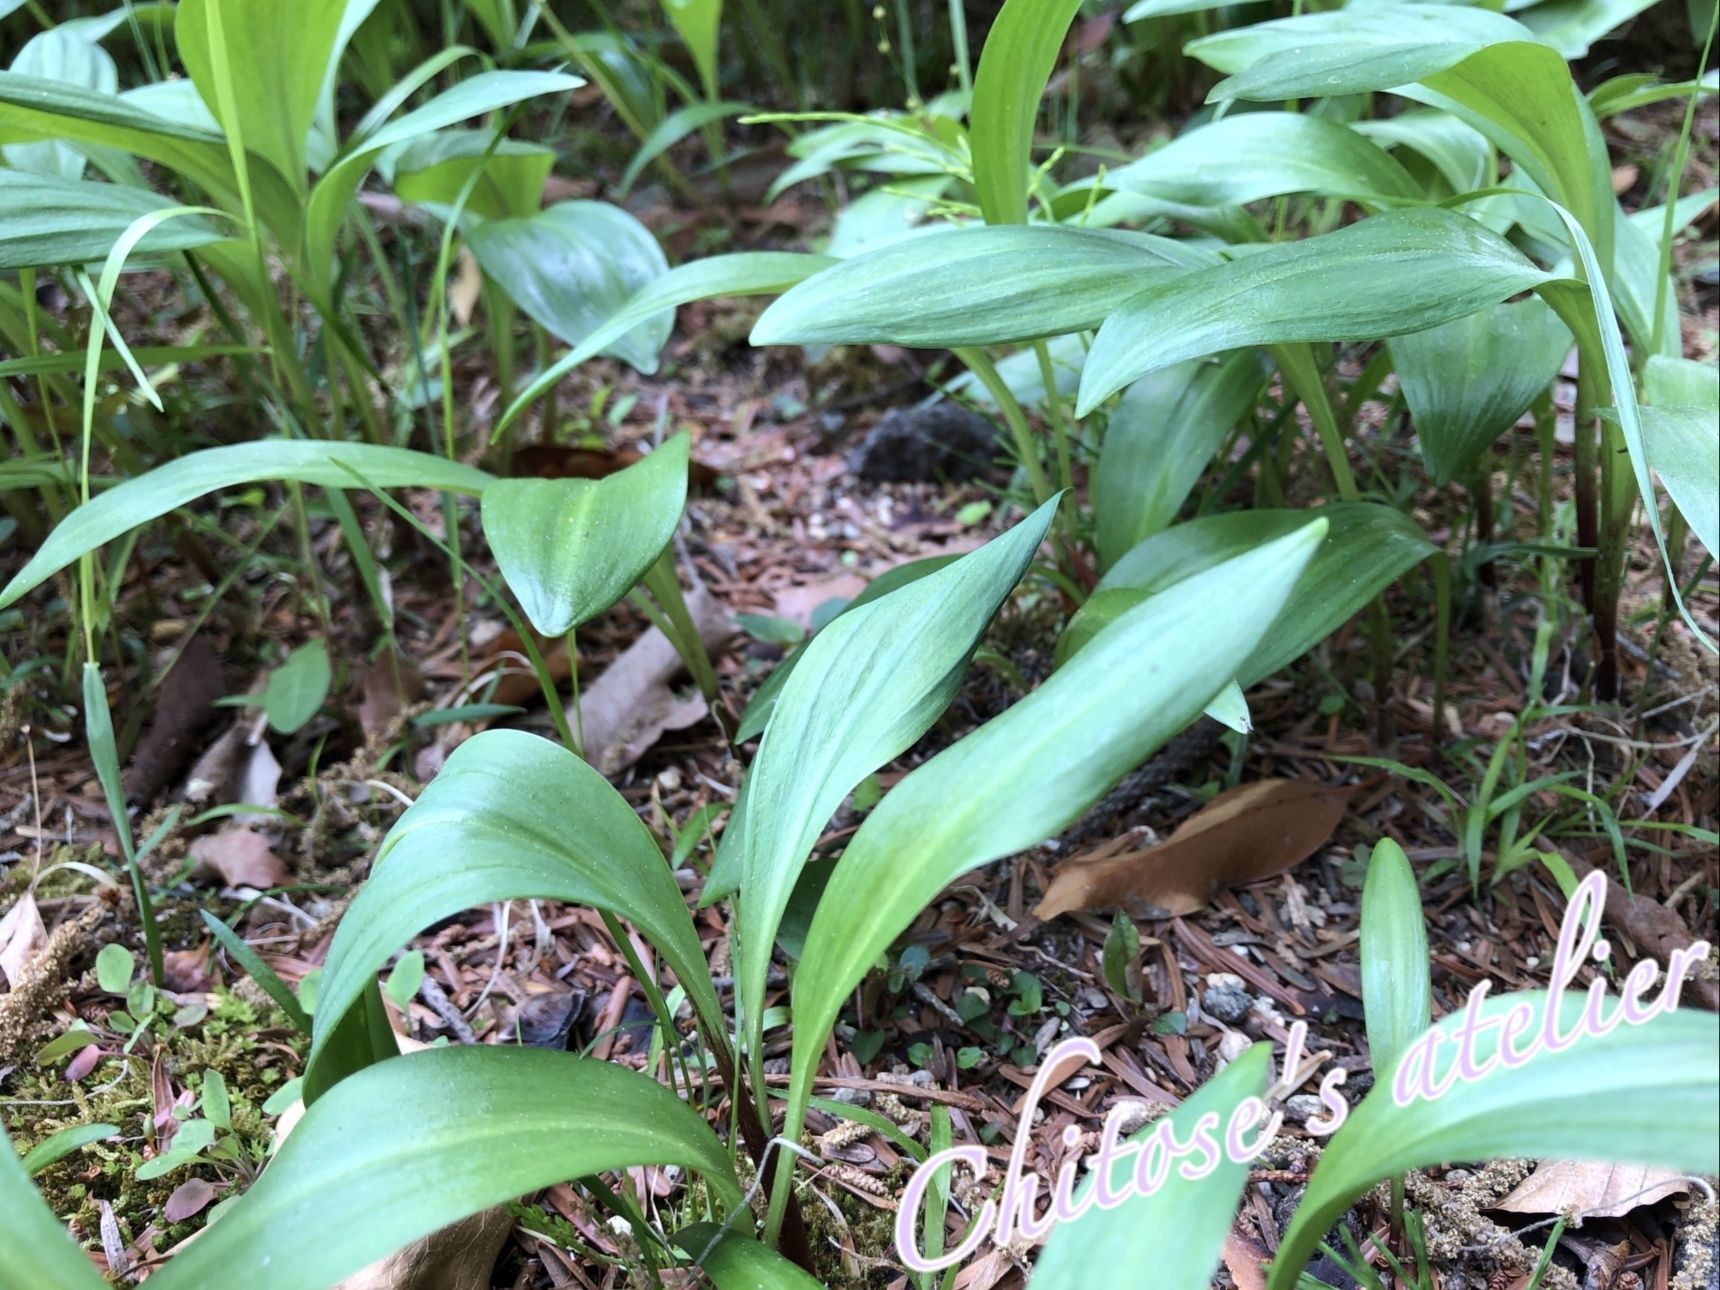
(975, 361)
(1302, 374)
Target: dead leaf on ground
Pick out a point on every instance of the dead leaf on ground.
(1244, 1259)
(1242, 835)
(388, 686)
(562, 461)
(188, 971)
(21, 935)
(1591, 1188)
(183, 706)
(242, 857)
(797, 603)
(1656, 931)
(464, 290)
(189, 1199)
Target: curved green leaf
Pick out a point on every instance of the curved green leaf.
(1397, 994)
(1179, 1229)
(736, 1262)
(696, 22)
(1459, 152)
(574, 265)
(980, 285)
(38, 1250)
(414, 1143)
(69, 56)
(747, 273)
(510, 817)
(57, 1146)
(571, 548)
(1646, 1094)
(1014, 67)
(1571, 26)
(866, 687)
(1467, 381)
(1403, 271)
(1683, 446)
(47, 221)
(1366, 548)
(297, 688)
(1027, 773)
(1254, 155)
(432, 170)
(671, 130)
(148, 497)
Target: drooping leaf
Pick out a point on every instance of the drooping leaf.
(1029, 772)
(38, 1250)
(866, 687)
(1366, 547)
(414, 1143)
(1160, 439)
(1178, 1228)
(1643, 1094)
(50, 221)
(1684, 449)
(71, 57)
(510, 817)
(746, 273)
(433, 169)
(980, 285)
(737, 1262)
(1402, 271)
(1397, 993)
(1014, 67)
(1467, 381)
(137, 501)
(297, 687)
(571, 548)
(575, 265)
(1253, 155)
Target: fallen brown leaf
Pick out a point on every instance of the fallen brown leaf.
(464, 290)
(798, 603)
(184, 705)
(189, 1199)
(1591, 1188)
(562, 461)
(21, 935)
(1244, 1259)
(242, 857)
(388, 685)
(1242, 835)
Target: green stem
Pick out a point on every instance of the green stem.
(1054, 409)
(975, 361)
(573, 689)
(1303, 375)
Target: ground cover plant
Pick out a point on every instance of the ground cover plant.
(611, 645)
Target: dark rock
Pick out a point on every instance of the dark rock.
(1226, 1003)
(940, 441)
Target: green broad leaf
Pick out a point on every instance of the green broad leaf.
(1366, 548)
(189, 1141)
(1645, 1094)
(115, 967)
(889, 213)
(1684, 449)
(46, 220)
(1469, 380)
(297, 688)
(57, 1146)
(71, 57)
(277, 56)
(1160, 438)
(1028, 773)
(575, 265)
(498, 823)
(737, 1262)
(213, 1099)
(432, 170)
(1460, 153)
(1636, 275)
(333, 194)
(1254, 155)
(1178, 1229)
(980, 285)
(747, 273)
(1680, 383)
(696, 23)
(865, 689)
(1014, 68)
(1397, 993)
(671, 130)
(571, 548)
(137, 501)
(1402, 271)
(1571, 26)
(417, 1142)
(38, 1250)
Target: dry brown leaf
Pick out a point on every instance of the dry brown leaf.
(183, 706)
(1244, 1259)
(1591, 1188)
(189, 1199)
(21, 935)
(464, 290)
(388, 685)
(242, 857)
(1623, 177)
(1242, 835)
(798, 603)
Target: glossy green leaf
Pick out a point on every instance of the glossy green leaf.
(1681, 383)
(1571, 26)
(432, 170)
(510, 817)
(414, 1143)
(57, 1146)
(1253, 155)
(866, 687)
(1459, 152)
(697, 22)
(38, 1250)
(1159, 440)
(297, 688)
(1028, 773)
(1366, 548)
(571, 548)
(747, 273)
(979, 285)
(70, 57)
(575, 265)
(1397, 993)
(278, 56)
(737, 1262)
(1014, 67)
(1403, 271)
(1684, 449)
(1469, 380)
(50, 221)
(1646, 1094)
(148, 497)
(1178, 1229)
